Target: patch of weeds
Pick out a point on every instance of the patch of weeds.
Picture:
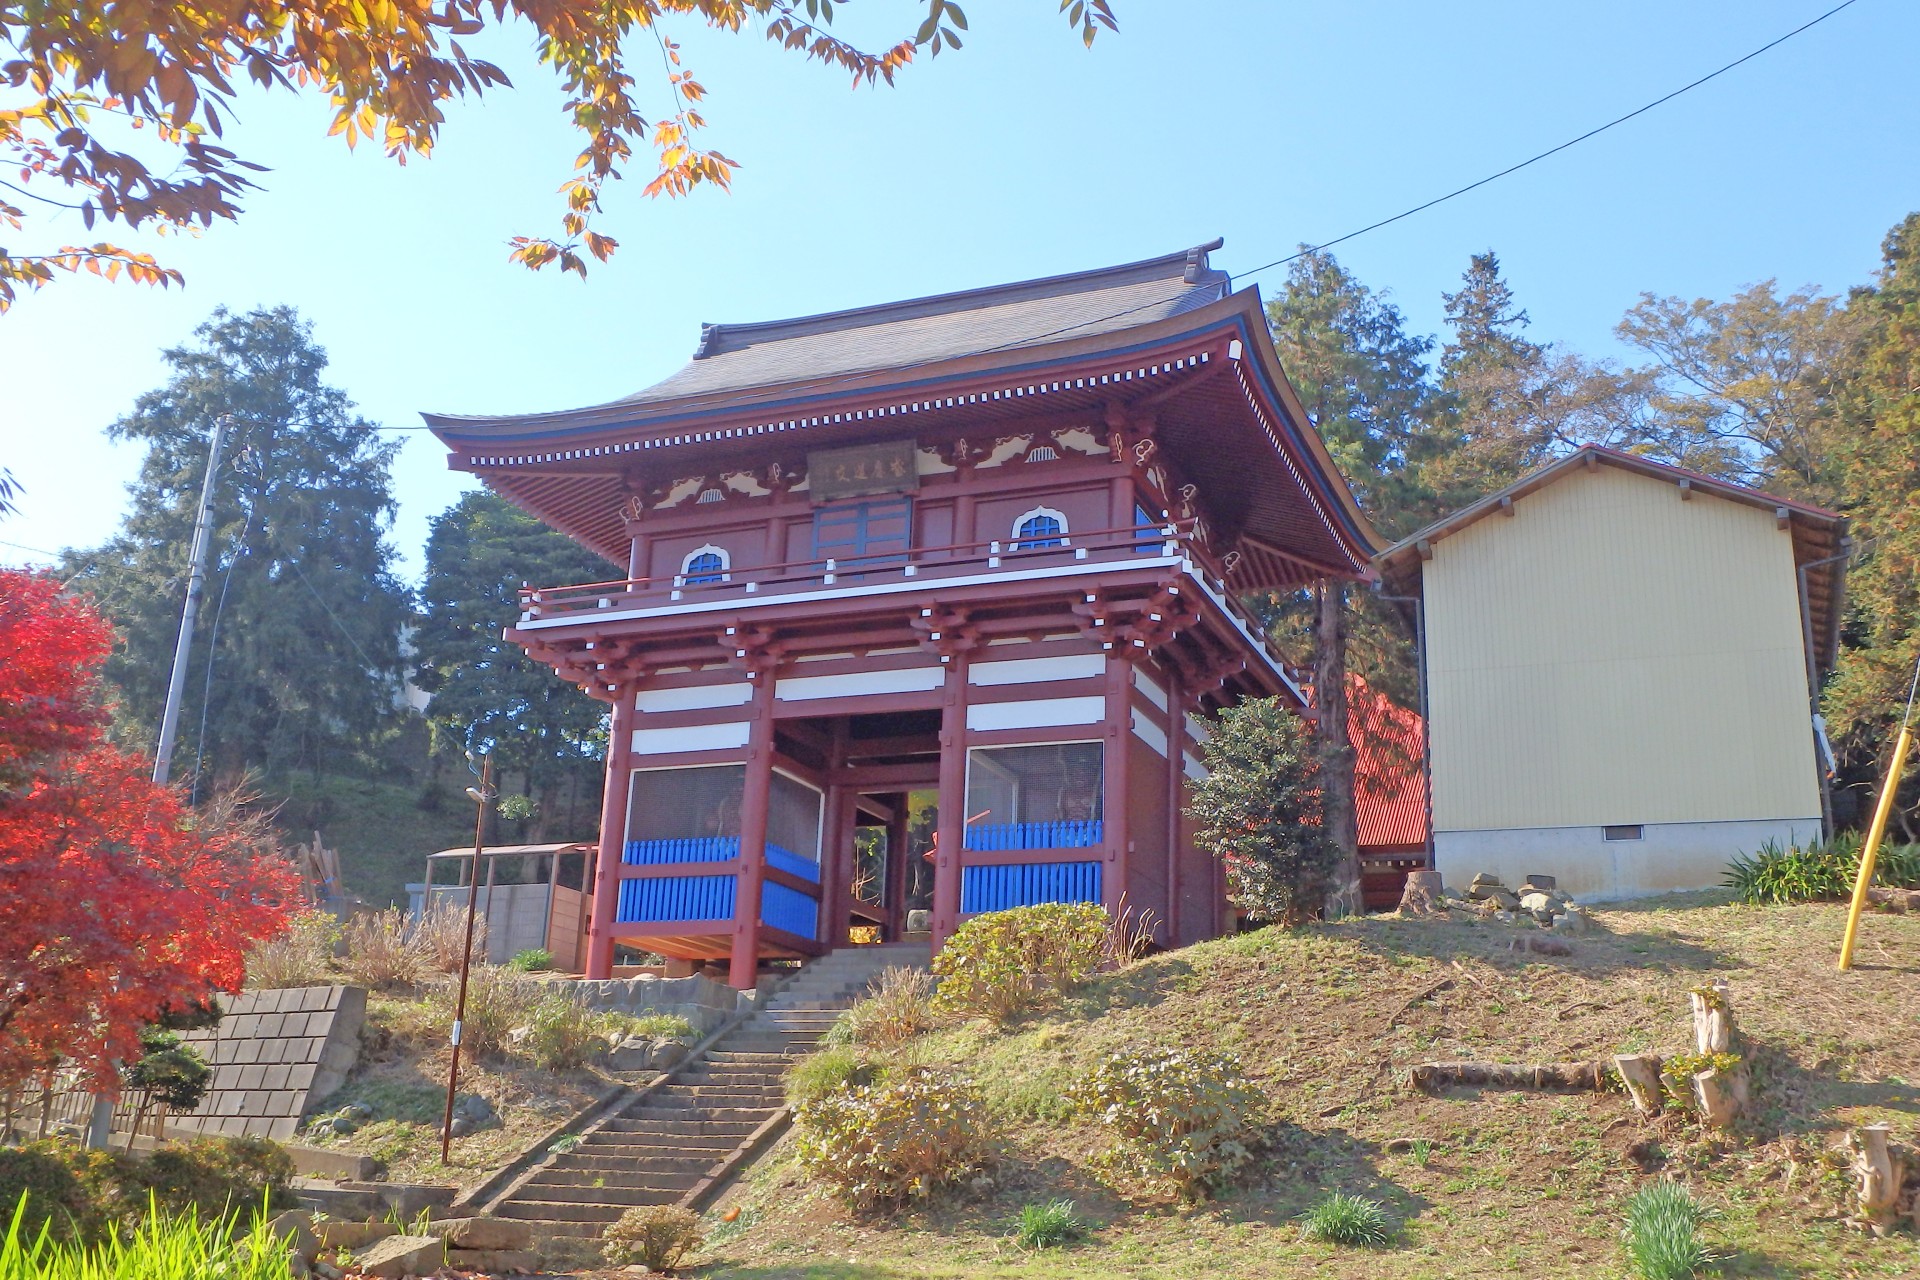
(1340, 1218)
(1663, 1233)
(1048, 1225)
(1422, 1151)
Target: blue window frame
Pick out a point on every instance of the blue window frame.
(702, 565)
(1041, 527)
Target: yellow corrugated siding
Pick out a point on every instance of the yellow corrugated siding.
(1613, 654)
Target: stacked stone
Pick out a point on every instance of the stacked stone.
(1538, 897)
(493, 1246)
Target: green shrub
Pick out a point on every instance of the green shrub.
(655, 1026)
(1663, 1233)
(84, 1195)
(1184, 1117)
(656, 1237)
(1339, 1218)
(499, 999)
(213, 1176)
(562, 1034)
(532, 960)
(900, 1008)
(300, 957)
(1775, 875)
(901, 1138)
(165, 1246)
(1004, 963)
(45, 1192)
(1047, 1225)
(835, 1069)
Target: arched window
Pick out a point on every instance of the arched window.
(1040, 527)
(704, 564)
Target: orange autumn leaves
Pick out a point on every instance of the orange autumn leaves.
(115, 900)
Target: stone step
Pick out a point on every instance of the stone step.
(676, 1124)
(734, 1073)
(737, 1058)
(749, 1116)
(646, 1189)
(632, 1173)
(571, 1211)
(667, 1160)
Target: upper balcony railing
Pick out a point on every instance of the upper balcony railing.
(1042, 556)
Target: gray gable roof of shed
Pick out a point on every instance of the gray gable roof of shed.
(746, 358)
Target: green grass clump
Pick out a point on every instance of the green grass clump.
(166, 1246)
(1776, 875)
(532, 960)
(1048, 1225)
(1663, 1233)
(1343, 1219)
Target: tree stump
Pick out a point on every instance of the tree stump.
(1714, 1094)
(1712, 1018)
(1424, 894)
(1641, 1072)
(1880, 1173)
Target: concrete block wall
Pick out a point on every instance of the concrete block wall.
(274, 1054)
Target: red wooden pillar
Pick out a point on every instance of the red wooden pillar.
(952, 826)
(1116, 844)
(613, 838)
(744, 969)
(1176, 795)
(836, 846)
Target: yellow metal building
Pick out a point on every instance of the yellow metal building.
(1619, 659)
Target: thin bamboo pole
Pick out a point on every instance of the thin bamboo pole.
(482, 796)
(1876, 832)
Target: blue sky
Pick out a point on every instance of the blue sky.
(1270, 122)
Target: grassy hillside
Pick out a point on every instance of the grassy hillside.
(1480, 1184)
(382, 830)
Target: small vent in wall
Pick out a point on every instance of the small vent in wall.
(1633, 832)
(1043, 453)
(710, 495)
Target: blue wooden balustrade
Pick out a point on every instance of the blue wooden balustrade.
(670, 899)
(1027, 883)
(1034, 835)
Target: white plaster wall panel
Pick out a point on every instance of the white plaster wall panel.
(698, 737)
(699, 697)
(1195, 769)
(1038, 713)
(1148, 686)
(1197, 729)
(1149, 732)
(1069, 666)
(856, 684)
(1668, 858)
(1613, 654)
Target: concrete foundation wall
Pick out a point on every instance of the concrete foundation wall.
(1669, 857)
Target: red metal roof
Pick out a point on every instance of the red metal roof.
(1389, 770)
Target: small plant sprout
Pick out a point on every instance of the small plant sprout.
(1048, 1225)
(1340, 1218)
(1663, 1233)
(1422, 1151)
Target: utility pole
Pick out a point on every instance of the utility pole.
(196, 586)
(482, 796)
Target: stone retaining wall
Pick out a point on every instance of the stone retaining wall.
(699, 999)
(274, 1054)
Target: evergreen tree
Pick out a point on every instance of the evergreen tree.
(1877, 448)
(296, 664)
(486, 691)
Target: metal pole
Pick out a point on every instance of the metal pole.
(482, 796)
(196, 583)
(1878, 830)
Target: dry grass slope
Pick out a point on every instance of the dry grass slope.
(1481, 1184)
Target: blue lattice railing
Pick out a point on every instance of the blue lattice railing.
(1024, 884)
(1034, 835)
(665, 899)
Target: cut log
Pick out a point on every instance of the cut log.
(1424, 894)
(1714, 1095)
(1712, 1018)
(1880, 1173)
(1641, 1072)
(1430, 1076)
(1900, 901)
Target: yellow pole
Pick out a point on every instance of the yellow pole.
(1872, 846)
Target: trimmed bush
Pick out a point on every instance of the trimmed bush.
(656, 1237)
(1663, 1233)
(900, 1008)
(1343, 1219)
(1181, 1117)
(902, 1138)
(1005, 963)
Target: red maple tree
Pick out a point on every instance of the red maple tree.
(116, 900)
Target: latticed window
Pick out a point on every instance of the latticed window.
(704, 566)
(1041, 528)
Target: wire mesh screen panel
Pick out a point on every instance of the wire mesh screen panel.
(793, 818)
(686, 804)
(1026, 884)
(1038, 797)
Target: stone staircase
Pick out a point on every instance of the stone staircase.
(679, 1142)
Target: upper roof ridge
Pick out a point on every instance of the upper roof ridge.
(1190, 265)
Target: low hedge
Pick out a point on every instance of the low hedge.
(86, 1195)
